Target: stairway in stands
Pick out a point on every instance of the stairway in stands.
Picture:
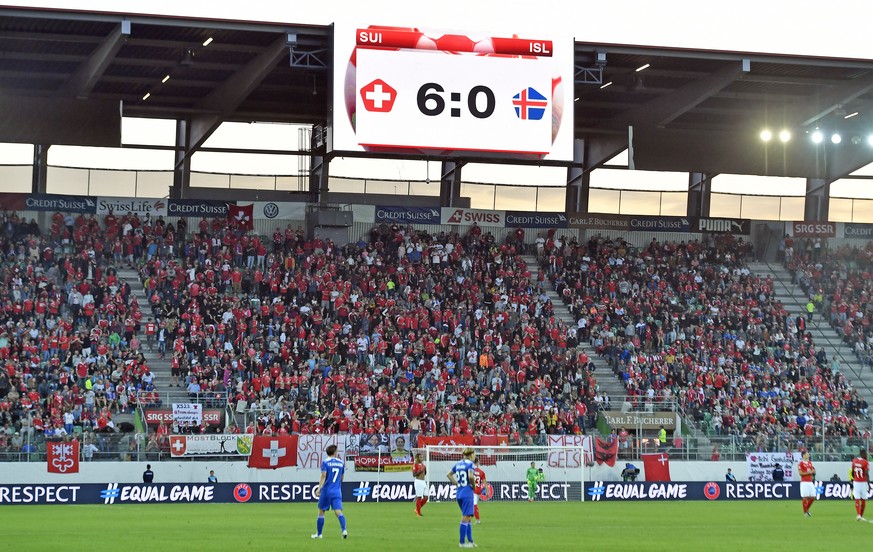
(607, 382)
(160, 368)
(794, 300)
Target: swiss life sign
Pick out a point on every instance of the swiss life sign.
(443, 92)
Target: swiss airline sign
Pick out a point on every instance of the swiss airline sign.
(462, 216)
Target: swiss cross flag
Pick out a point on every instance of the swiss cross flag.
(178, 445)
(242, 216)
(62, 456)
(657, 466)
(273, 452)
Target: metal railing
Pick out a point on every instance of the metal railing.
(209, 399)
(138, 447)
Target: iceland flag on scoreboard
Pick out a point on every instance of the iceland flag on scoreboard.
(530, 104)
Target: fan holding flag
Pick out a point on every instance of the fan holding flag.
(241, 216)
(657, 466)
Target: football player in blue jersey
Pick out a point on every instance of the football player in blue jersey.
(330, 491)
(463, 477)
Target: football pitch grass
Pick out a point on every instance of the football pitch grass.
(656, 526)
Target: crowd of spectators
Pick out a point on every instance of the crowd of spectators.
(69, 353)
(404, 331)
(839, 283)
(689, 323)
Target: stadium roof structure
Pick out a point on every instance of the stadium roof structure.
(687, 110)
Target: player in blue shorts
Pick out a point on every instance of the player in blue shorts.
(330, 491)
(464, 479)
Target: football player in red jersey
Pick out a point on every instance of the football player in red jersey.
(860, 484)
(807, 483)
(477, 489)
(419, 470)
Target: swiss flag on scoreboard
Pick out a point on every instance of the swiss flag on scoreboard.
(62, 456)
(242, 215)
(657, 466)
(273, 452)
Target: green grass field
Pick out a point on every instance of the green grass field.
(649, 526)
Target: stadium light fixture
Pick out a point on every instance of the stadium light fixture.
(850, 115)
(146, 96)
(870, 140)
(784, 135)
(605, 85)
(641, 67)
(836, 138)
(165, 79)
(766, 135)
(208, 41)
(817, 137)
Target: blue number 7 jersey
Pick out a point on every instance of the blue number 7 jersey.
(461, 471)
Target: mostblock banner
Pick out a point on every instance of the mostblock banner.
(408, 215)
(62, 203)
(210, 443)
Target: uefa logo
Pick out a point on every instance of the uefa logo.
(711, 490)
(271, 210)
(242, 492)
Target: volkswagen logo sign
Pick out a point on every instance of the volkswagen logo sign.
(271, 210)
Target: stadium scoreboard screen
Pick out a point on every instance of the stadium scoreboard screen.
(418, 92)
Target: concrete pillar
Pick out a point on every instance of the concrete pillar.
(181, 188)
(450, 183)
(817, 204)
(40, 169)
(578, 181)
(699, 195)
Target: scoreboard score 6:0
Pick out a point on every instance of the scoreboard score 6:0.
(432, 103)
(421, 100)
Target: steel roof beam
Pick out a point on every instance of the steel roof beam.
(166, 21)
(82, 81)
(847, 159)
(667, 108)
(811, 111)
(228, 96)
